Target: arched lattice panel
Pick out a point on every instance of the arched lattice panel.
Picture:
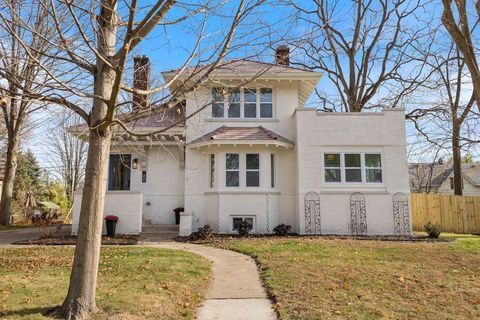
(401, 214)
(312, 213)
(358, 214)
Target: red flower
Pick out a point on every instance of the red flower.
(111, 218)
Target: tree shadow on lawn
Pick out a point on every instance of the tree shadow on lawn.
(26, 312)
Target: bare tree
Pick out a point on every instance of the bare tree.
(95, 63)
(449, 122)
(25, 76)
(67, 154)
(460, 18)
(367, 49)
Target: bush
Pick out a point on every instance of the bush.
(244, 228)
(203, 233)
(433, 230)
(282, 230)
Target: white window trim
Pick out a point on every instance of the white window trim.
(242, 105)
(243, 216)
(342, 168)
(242, 171)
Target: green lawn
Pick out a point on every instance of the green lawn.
(134, 282)
(318, 278)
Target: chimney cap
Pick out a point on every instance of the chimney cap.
(283, 47)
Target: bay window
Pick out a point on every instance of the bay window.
(352, 167)
(242, 103)
(242, 170)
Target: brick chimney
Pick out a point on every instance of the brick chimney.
(141, 80)
(282, 56)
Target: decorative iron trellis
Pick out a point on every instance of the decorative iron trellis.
(358, 214)
(312, 213)
(401, 214)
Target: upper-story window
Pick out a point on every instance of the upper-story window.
(353, 167)
(242, 103)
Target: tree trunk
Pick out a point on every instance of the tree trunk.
(457, 161)
(8, 181)
(80, 301)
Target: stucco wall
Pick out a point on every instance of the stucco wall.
(382, 132)
(126, 205)
(163, 190)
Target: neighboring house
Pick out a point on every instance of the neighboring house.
(257, 154)
(438, 178)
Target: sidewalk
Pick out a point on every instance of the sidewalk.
(236, 291)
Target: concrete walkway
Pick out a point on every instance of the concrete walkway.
(235, 292)
(7, 237)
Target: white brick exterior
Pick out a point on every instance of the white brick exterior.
(299, 169)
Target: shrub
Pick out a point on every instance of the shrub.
(244, 228)
(203, 233)
(433, 230)
(282, 230)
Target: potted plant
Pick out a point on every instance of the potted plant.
(177, 214)
(111, 221)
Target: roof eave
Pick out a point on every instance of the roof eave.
(219, 142)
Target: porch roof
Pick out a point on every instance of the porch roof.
(241, 135)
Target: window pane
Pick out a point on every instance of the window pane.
(250, 95)
(332, 175)
(332, 160)
(352, 160)
(266, 110)
(217, 110)
(253, 178)
(373, 160)
(212, 170)
(232, 179)
(119, 172)
(253, 161)
(217, 95)
(250, 110)
(272, 170)
(266, 95)
(232, 161)
(374, 175)
(249, 220)
(234, 95)
(353, 175)
(236, 222)
(234, 110)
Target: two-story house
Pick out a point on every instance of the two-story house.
(249, 150)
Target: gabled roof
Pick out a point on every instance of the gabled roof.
(441, 172)
(233, 135)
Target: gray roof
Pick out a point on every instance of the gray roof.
(440, 172)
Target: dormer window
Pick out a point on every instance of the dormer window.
(242, 103)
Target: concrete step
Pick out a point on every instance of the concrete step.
(159, 228)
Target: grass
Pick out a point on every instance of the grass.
(15, 226)
(318, 278)
(134, 282)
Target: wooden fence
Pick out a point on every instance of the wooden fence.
(460, 214)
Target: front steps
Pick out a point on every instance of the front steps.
(154, 232)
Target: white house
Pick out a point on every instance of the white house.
(255, 153)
